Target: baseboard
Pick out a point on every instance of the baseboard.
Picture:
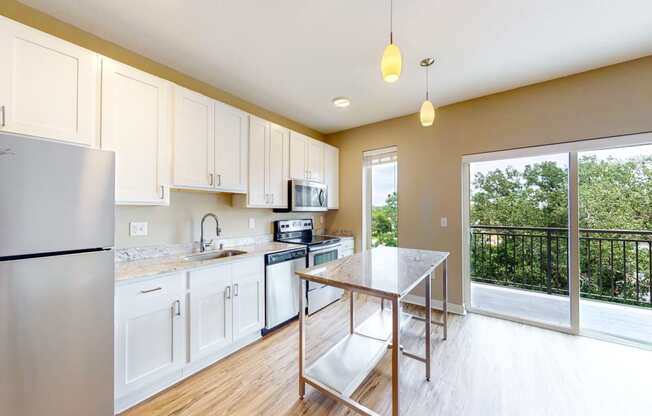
(436, 304)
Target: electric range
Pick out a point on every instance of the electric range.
(321, 249)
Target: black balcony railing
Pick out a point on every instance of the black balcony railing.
(615, 265)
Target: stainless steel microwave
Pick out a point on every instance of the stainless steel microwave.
(307, 196)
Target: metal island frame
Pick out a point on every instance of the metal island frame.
(388, 273)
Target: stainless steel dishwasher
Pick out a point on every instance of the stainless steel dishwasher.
(282, 287)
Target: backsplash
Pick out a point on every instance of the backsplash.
(169, 250)
(179, 224)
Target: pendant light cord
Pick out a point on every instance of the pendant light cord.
(427, 83)
(391, 27)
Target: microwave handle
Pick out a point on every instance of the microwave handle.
(322, 197)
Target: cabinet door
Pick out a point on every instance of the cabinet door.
(315, 160)
(257, 195)
(231, 138)
(298, 156)
(193, 141)
(331, 175)
(150, 333)
(278, 165)
(48, 87)
(135, 112)
(211, 303)
(248, 297)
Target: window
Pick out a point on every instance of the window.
(380, 197)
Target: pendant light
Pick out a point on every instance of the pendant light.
(427, 112)
(390, 65)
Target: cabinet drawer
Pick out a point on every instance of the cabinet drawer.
(166, 286)
(249, 267)
(210, 276)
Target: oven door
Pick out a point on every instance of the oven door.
(321, 256)
(308, 196)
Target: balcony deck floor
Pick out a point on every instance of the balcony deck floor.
(627, 322)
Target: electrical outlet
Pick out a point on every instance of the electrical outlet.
(444, 222)
(137, 229)
(252, 223)
(321, 220)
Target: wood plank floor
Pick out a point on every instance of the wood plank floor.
(487, 367)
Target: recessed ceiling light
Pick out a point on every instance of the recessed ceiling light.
(341, 102)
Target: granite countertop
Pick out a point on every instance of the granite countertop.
(125, 270)
(386, 271)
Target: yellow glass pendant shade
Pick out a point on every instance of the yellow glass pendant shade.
(427, 114)
(391, 63)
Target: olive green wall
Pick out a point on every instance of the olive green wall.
(610, 101)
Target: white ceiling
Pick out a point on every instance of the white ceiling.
(293, 56)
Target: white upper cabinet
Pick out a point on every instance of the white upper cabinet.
(231, 142)
(48, 87)
(210, 144)
(306, 158)
(193, 141)
(269, 152)
(257, 195)
(278, 165)
(331, 175)
(135, 115)
(298, 156)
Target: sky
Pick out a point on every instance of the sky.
(383, 183)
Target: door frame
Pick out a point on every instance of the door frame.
(572, 148)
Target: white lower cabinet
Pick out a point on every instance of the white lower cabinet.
(211, 306)
(150, 333)
(160, 339)
(248, 299)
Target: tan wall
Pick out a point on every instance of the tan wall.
(180, 222)
(41, 21)
(610, 101)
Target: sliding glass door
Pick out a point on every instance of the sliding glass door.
(560, 236)
(519, 238)
(615, 200)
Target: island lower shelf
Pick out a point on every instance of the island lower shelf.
(348, 363)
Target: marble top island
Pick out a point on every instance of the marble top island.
(390, 272)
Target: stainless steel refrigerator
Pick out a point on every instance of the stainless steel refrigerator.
(56, 278)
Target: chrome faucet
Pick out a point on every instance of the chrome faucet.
(203, 244)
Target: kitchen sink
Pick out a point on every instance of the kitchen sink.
(214, 255)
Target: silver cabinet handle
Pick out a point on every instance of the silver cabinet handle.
(228, 292)
(162, 191)
(235, 290)
(4, 121)
(177, 303)
(210, 179)
(219, 180)
(151, 290)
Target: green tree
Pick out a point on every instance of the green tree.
(384, 222)
(614, 195)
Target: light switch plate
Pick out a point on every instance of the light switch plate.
(252, 223)
(444, 222)
(138, 229)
